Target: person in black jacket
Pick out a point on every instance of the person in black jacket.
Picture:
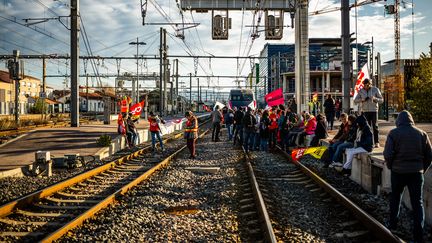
(363, 143)
(320, 131)
(264, 131)
(408, 155)
(238, 127)
(249, 122)
(329, 110)
(348, 143)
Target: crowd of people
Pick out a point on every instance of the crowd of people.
(263, 129)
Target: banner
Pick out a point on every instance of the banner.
(136, 110)
(275, 98)
(362, 75)
(316, 152)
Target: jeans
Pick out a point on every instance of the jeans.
(257, 141)
(337, 157)
(264, 144)
(216, 131)
(273, 138)
(230, 131)
(157, 135)
(131, 137)
(332, 148)
(414, 182)
(350, 152)
(239, 132)
(249, 137)
(372, 117)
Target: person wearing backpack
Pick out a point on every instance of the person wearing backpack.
(249, 123)
(264, 131)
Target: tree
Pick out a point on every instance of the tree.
(39, 107)
(421, 92)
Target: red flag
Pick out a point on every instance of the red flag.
(296, 154)
(136, 110)
(275, 98)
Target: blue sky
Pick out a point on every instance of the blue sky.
(112, 24)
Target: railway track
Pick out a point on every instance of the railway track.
(292, 203)
(47, 214)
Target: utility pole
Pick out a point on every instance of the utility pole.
(302, 75)
(166, 72)
(176, 88)
(74, 63)
(346, 62)
(198, 97)
(43, 86)
(13, 66)
(190, 89)
(161, 71)
(135, 86)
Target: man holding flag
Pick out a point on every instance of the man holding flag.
(369, 97)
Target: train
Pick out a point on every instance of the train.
(242, 98)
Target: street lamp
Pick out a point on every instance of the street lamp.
(135, 96)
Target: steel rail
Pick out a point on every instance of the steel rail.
(112, 198)
(379, 230)
(8, 208)
(266, 226)
(13, 206)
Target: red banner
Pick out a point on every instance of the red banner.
(275, 98)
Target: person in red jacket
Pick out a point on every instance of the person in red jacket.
(273, 128)
(155, 131)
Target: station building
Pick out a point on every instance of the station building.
(277, 63)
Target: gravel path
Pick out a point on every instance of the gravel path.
(176, 204)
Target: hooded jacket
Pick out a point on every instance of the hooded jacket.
(407, 149)
(374, 98)
(366, 138)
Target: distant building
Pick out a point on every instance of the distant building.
(388, 85)
(29, 87)
(277, 68)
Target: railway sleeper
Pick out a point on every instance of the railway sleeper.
(56, 207)
(36, 214)
(59, 200)
(351, 235)
(65, 194)
(21, 234)
(30, 223)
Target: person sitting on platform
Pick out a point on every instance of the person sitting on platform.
(320, 131)
(338, 139)
(306, 136)
(348, 143)
(362, 144)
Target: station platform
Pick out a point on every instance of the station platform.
(81, 140)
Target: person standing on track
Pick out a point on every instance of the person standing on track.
(369, 97)
(191, 133)
(408, 154)
(238, 126)
(216, 124)
(155, 131)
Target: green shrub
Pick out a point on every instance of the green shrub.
(104, 140)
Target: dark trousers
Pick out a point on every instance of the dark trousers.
(191, 146)
(330, 119)
(249, 136)
(273, 138)
(414, 182)
(216, 131)
(239, 132)
(372, 118)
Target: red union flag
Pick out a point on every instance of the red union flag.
(362, 75)
(136, 110)
(275, 98)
